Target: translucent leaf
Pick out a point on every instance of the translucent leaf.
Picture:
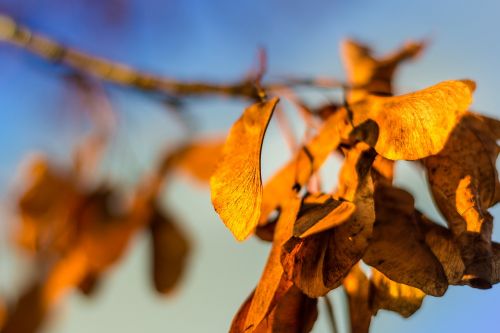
(236, 186)
(415, 125)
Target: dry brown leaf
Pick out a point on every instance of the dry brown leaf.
(393, 296)
(320, 212)
(318, 263)
(440, 241)
(415, 125)
(170, 249)
(368, 74)
(397, 248)
(236, 186)
(464, 183)
(357, 287)
(304, 164)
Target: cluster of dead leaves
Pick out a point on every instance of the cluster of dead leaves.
(319, 239)
(75, 232)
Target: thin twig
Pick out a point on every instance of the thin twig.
(121, 74)
(331, 314)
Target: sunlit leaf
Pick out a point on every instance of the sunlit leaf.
(321, 212)
(236, 185)
(415, 125)
(265, 294)
(393, 296)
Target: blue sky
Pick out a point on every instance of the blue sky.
(217, 40)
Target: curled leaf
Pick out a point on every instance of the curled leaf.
(320, 213)
(415, 125)
(236, 186)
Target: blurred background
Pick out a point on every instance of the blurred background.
(217, 41)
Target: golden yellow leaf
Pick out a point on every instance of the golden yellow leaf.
(397, 248)
(415, 125)
(236, 186)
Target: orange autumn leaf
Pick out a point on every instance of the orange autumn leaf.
(318, 263)
(265, 293)
(236, 185)
(369, 74)
(46, 209)
(415, 125)
(293, 312)
(197, 159)
(305, 163)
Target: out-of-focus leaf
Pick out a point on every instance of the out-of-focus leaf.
(305, 163)
(415, 125)
(28, 314)
(318, 263)
(236, 186)
(170, 249)
(397, 247)
(46, 209)
(393, 296)
(368, 74)
(320, 213)
(198, 159)
(357, 287)
(464, 183)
